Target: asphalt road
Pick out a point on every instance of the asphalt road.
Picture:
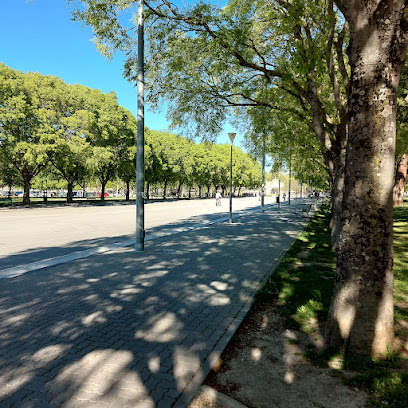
(33, 234)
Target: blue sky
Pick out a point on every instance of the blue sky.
(39, 36)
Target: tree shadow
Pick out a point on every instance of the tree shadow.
(182, 225)
(128, 328)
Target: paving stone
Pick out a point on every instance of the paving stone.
(110, 329)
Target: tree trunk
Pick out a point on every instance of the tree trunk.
(27, 186)
(127, 197)
(165, 189)
(400, 181)
(70, 190)
(147, 191)
(199, 191)
(179, 189)
(103, 185)
(361, 313)
(337, 197)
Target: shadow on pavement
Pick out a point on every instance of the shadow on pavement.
(132, 329)
(41, 253)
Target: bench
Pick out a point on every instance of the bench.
(6, 200)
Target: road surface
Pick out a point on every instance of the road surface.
(29, 235)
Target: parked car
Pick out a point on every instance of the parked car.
(105, 195)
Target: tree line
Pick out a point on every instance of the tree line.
(80, 133)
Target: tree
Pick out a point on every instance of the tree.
(205, 166)
(289, 141)
(24, 112)
(204, 59)
(111, 134)
(153, 160)
(68, 144)
(9, 176)
(361, 313)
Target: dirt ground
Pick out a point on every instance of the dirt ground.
(264, 366)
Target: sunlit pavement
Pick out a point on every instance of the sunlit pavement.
(127, 329)
(29, 235)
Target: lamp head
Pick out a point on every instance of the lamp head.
(232, 137)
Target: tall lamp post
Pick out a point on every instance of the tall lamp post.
(140, 177)
(231, 137)
(290, 175)
(263, 175)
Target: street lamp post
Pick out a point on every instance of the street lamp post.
(290, 176)
(263, 176)
(140, 178)
(231, 137)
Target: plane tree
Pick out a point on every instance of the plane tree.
(361, 313)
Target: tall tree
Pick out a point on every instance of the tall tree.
(24, 114)
(203, 59)
(111, 133)
(68, 145)
(361, 313)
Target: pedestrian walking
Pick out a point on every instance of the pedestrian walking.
(218, 198)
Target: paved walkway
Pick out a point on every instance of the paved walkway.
(126, 329)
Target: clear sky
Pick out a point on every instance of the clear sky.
(39, 36)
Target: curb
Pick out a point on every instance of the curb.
(210, 395)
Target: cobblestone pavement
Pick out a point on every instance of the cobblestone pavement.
(127, 329)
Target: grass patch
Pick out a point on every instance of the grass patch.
(303, 282)
(302, 287)
(401, 264)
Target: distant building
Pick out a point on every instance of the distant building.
(272, 187)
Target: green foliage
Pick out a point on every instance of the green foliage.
(244, 59)
(83, 133)
(389, 391)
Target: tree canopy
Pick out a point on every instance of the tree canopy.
(83, 133)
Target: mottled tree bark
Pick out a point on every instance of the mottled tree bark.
(361, 313)
(400, 180)
(337, 197)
